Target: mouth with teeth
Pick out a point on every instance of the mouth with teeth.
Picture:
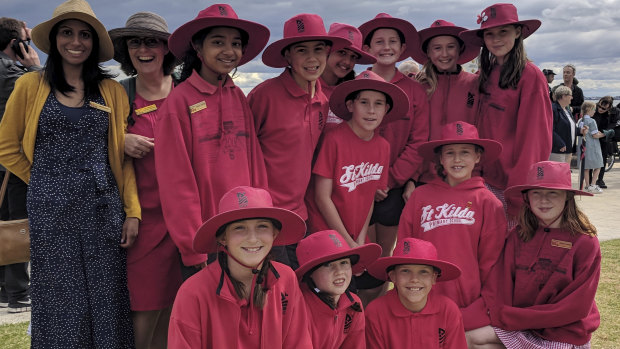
(252, 249)
(75, 52)
(146, 59)
(414, 289)
(339, 282)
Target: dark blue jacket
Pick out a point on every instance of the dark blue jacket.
(561, 130)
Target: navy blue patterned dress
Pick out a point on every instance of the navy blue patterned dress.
(79, 283)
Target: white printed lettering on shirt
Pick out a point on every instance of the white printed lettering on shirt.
(445, 214)
(362, 173)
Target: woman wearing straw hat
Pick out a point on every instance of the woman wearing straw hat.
(514, 98)
(452, 92)
(153, 267)
(82, 198)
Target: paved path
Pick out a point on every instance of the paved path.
(602, 209)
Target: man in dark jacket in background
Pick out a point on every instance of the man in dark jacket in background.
(568, 75)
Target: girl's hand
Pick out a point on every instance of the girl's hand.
(409, 187)
(563, 148)
(381, 194)
(130, 231)
(199, 266)
(138, 146)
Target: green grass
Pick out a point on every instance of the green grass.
(607, 297)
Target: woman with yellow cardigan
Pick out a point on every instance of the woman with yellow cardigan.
(63, 133)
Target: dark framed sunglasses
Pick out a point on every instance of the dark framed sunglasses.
(148, 42)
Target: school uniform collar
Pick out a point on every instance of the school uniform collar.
(290, 85)
(459, 69)
(399, 310)
(204, 87)
(397, 76)
(473, 182)
(345, 301)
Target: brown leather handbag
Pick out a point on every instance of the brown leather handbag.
(14, 235)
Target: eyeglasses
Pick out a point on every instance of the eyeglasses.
(603, 106)
(148, 42)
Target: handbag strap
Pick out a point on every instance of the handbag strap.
(5, 183)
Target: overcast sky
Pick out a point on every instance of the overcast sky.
(585, 33)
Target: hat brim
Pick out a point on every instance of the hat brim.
(379, 268)
(180, 40)
(404, 27)
(468, 52)
(293, 227)
(367, 255)
(365, 58)
(528, 27)
(118, 35)
(492, 149)
(338, 105)
(274, 57)
(40, 33)
(515, 192)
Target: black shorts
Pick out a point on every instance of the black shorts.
(387, 212)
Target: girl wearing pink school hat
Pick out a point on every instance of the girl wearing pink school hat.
(243, 299)
(290, 110)
(514, 98)
(205, 141)
(452, 92)
(540, 294)
(459, 215)
(327, 264)
(412, 314)
(340, 63)
(390, 39)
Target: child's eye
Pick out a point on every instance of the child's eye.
(236, 44)
(85, 35)
(66, 32)
(345, 262)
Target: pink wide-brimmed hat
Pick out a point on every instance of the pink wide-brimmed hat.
(300, 28)
(414, 251)
(219, 15)
(328, 245)
(368, 80)
(383, 20)
(354, 36)
(248, 203)
(545, 175)
(496, 16)
(460, 132)
(440, 27)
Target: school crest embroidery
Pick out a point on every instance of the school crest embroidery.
(284, 298)
(300, 26)
(242, 200)
(335, 240)
(540, 173)
(222, 11)
(406, 247)
(459, 129)
(442, 336)
(470, 100)
(350, 35)
(348, 321)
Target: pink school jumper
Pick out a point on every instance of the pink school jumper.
(205, 145)
(357, 168)
(547, 285)
(406, 133)
(521, 120)
(340, 328)
(455, 99)
(389, 325)
(288, 124)
(208, 314)
(467, 225)
(153, 268)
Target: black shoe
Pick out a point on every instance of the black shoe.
(20, 306)
(601, 184)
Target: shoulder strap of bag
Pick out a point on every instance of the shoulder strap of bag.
(5, 183)
(130, 87)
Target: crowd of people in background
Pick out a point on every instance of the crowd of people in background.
(170, 210)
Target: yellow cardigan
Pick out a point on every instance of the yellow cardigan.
(18, 130)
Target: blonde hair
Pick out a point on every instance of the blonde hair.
(587, 106)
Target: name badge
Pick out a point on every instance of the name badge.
(147, 109)
(197, 107)
(100, 107)
(561, 244)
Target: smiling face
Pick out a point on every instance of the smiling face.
(443, 51)
(458, 161)
(368, 110)
(339, 64)
(386, 46)
(333, 277)
(147, 54)
(500, 40)
(74, 41)
(547, 205)
(413, 282)
(249, 240)
(220, 52)
(307, 61)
